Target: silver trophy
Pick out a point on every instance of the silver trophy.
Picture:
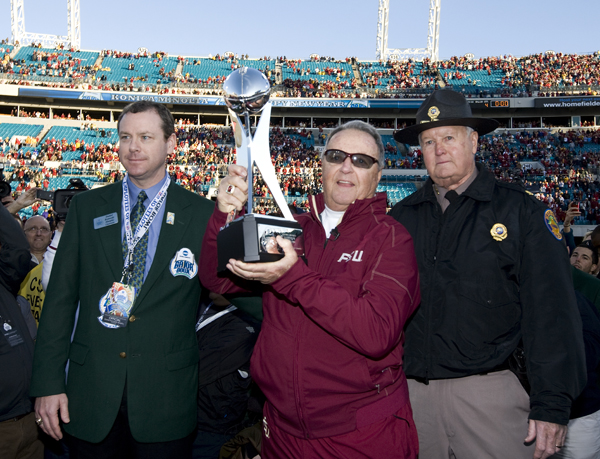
(247, 92)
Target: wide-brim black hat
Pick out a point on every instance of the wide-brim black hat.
(444, 107)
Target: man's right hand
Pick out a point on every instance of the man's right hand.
(47, 409)
(572, 212)
(233, 190)
(25, 199)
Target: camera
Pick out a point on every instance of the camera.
(62, 198)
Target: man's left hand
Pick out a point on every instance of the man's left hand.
(549, 438)
(266, 273)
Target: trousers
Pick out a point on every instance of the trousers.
(583, 438)
(479, 417)
(19, 439)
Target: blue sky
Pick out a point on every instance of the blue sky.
(336, 28)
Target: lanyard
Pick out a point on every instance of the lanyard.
(145, 222)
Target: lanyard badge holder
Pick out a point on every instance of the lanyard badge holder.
(116, 304)
(118, 301)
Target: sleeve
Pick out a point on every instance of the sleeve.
(208, 275)
(551, 324)
(570, 240)
(371, 322)
(49, 259)
(58, 314)
(14, 252)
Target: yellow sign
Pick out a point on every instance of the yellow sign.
(31, 289)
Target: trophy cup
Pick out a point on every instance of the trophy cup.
(251, 238)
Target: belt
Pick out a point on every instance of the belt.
(501, 367)
(16, 418)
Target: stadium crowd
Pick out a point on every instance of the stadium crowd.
(543, 74)
(559, 167)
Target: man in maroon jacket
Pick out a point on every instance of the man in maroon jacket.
(329, 356)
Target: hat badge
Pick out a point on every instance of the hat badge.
(433, 113)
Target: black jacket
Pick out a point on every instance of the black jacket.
(480, 295)
(225, 346)
(16, 344)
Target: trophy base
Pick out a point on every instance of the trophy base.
(251, 238)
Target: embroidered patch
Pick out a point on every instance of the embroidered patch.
(184, 264)
(552, 224)
(499, 232)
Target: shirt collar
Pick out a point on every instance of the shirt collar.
(481, 189)
(150, 192)
(440, 194)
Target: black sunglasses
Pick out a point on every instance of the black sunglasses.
(358, 159)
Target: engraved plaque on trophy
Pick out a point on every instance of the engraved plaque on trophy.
(251, 237)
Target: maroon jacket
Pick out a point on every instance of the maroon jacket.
(329, 355)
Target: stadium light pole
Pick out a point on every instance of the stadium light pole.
(384, 53)
(73, 39)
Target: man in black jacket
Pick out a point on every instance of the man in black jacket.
(494, 273)
(18, 432)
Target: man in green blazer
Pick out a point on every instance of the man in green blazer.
(132, 378)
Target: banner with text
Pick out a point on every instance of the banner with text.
(178, 99)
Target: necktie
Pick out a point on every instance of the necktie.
(451, 196)
(141, 248)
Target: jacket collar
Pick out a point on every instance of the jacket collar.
(169, 239)
(481, 189)
(377, 204)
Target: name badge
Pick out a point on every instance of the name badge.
(116, 304)
(106, 220)
(184, 264)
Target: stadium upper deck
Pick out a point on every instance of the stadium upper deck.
(541, 74)
(318, 92)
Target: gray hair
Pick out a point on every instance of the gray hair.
(469, 129)
(358, 125)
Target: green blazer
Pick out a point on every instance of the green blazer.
(156, 352)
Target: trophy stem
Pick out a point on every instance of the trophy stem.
(249, 178)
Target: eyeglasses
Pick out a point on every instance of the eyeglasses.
(358, 159)
(35, 229)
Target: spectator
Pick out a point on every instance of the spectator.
(38, 232)
(18, 432)
(585, 257)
